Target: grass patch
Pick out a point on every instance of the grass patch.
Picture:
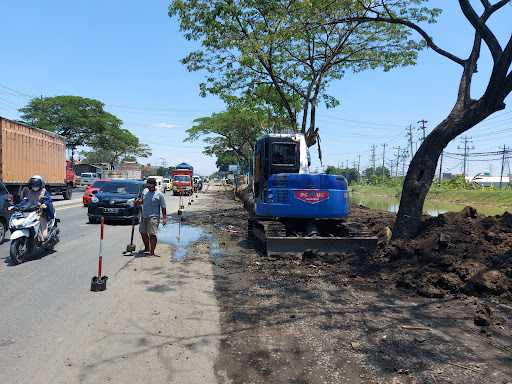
(474, 197)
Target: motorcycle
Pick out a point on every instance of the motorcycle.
(24, 225)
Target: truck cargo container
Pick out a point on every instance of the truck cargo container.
(26, 151)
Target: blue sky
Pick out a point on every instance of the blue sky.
(126, 54)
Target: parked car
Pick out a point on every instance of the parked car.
(5, 215)
(89, 190)
(115, 201)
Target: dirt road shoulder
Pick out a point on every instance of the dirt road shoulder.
(297, 320)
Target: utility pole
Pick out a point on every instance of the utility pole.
(391, 165)
(423, 127)
(503, 164)
(404, 157)
(372, 158)
(347, 165)
(358, 166)
(383, 159)
(410, 138)
(466, 141)
(441, 168)
(397, 157)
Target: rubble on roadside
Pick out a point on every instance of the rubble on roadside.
(455, 252)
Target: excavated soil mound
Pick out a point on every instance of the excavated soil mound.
(456, 252)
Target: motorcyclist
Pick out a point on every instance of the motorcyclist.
(39, 196)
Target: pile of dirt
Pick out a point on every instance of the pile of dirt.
(456, 252)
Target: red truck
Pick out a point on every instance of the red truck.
(182, 180)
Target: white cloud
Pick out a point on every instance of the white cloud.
(165, 125)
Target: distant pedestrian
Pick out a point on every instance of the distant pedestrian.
(153, 201)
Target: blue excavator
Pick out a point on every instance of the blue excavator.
(293, 210)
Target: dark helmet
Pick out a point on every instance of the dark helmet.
(36, 183)
(151, 181)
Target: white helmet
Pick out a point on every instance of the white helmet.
(36, 183)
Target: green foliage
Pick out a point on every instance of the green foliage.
(458, 182)
(224, 159)
(296, 47)
(374, 176)
(84, 122)
(116, 143)
(229, 135)
(162, 171)
(80, 120)
(350, 174)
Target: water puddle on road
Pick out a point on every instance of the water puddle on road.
(183, 236)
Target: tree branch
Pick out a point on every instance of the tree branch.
(409, 24)
(483, 30)
(508, 84)
(464, 94)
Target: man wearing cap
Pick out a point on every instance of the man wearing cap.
(152, 202)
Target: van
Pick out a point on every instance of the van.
(88, 178)
(167, 184)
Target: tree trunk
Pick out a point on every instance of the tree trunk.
(305, 117)
(423, 166)
(311, 133)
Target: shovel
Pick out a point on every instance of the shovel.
(130, 248)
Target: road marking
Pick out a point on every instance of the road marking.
(68, 206)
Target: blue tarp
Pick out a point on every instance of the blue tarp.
(185, 166)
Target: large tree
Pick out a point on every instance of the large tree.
(80, 120)
(114, 144)
(230, 134)
(467, 110)
(84, 122)
(287, 45)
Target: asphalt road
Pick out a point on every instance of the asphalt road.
(43, 294)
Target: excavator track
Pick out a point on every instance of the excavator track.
(273, 238)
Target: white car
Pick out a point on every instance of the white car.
(88, 178)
